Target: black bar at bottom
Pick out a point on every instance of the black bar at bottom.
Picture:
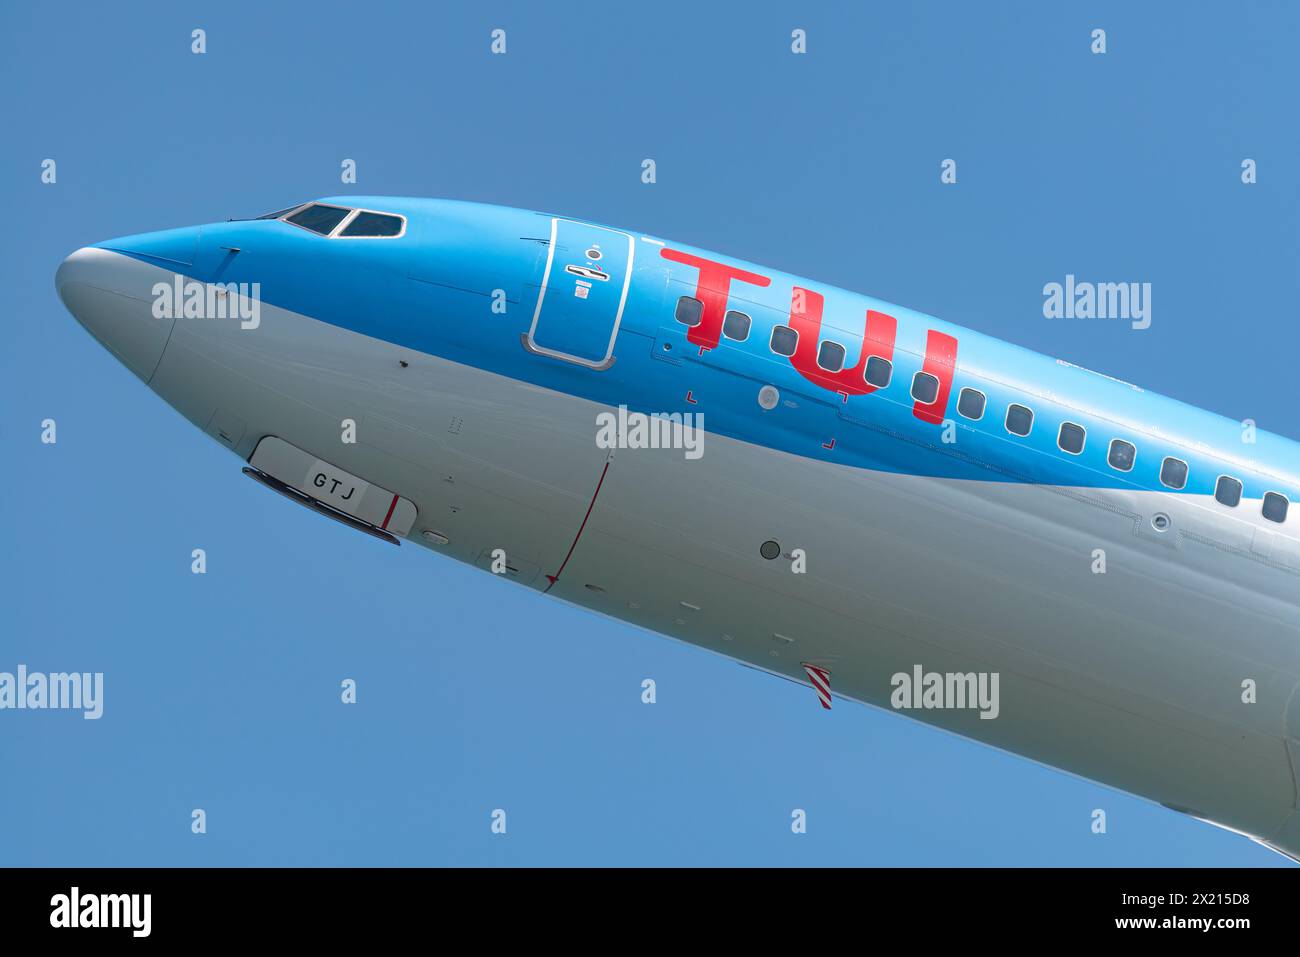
(541, 907)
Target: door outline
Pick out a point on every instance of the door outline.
(530, 343)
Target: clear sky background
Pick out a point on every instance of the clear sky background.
(222, 690)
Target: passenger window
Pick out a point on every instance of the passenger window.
(970, 403)
(1173, 472)
(925, 388)
(878, 371)
(735, 325)
(784, 340)
(1020, 419)
(689, 311)
(831, 356)
(1275, 507)
(373, 224)
(1071, 438)
(319, 218)
(1121, 455)
(1227, 491)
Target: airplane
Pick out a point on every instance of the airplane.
(880, 498)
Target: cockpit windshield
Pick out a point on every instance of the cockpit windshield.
(341, 222)
(319, 218)
(366, 223)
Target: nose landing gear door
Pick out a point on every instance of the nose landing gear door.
(584, 290)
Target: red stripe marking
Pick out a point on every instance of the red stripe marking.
(391, 505)
(878, 335)
(940, 357)
(556, 577)
(712, 289)
(820, 679)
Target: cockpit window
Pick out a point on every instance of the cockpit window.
(319, 218)
(279, 212)
(373, 224)
(342, 221)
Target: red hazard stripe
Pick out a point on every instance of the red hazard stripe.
(821, 682)
(387, 518)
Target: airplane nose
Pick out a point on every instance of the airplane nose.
(111, 295)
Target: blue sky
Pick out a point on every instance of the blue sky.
(222, 690)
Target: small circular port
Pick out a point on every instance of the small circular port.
(1160, 522)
